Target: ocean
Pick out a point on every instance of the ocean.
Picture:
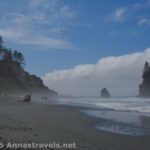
(119, 115)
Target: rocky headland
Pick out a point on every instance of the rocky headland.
(144, 88)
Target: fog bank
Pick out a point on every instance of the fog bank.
(120, 74)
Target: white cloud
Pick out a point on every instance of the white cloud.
(53, 11)
(33, 40)
(121, 75)
(128, 12)
(42, 24)
(119, 14)
(143, 21)
(36, 3)
(67, 13)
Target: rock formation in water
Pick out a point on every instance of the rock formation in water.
(144, 88)
(105, 93)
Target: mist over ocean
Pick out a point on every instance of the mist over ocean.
(121, 115)
(133, 104)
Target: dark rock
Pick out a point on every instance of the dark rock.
(144, 88)
(105, 93)
(14, 79)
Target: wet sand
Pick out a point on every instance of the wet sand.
(48, 123)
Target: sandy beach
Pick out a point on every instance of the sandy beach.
(48, 123)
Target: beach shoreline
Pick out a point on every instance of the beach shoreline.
(48, 123)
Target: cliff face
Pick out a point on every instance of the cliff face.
(13, 79)
(144, 88)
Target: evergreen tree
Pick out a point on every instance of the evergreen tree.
(18, 58)
(1, 43)
(146, 67)
(1, 46)
(7, 55)
(15, 53)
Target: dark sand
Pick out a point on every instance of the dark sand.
(48, 123)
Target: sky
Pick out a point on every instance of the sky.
(69, 39)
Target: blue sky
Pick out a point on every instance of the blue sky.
(60, 34)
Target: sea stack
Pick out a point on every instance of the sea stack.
(105, 93)
(144, 88)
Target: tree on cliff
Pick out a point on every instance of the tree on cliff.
(1, 43)
(9, 55)
(18, 57)
(146, 67)
(144, 88)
